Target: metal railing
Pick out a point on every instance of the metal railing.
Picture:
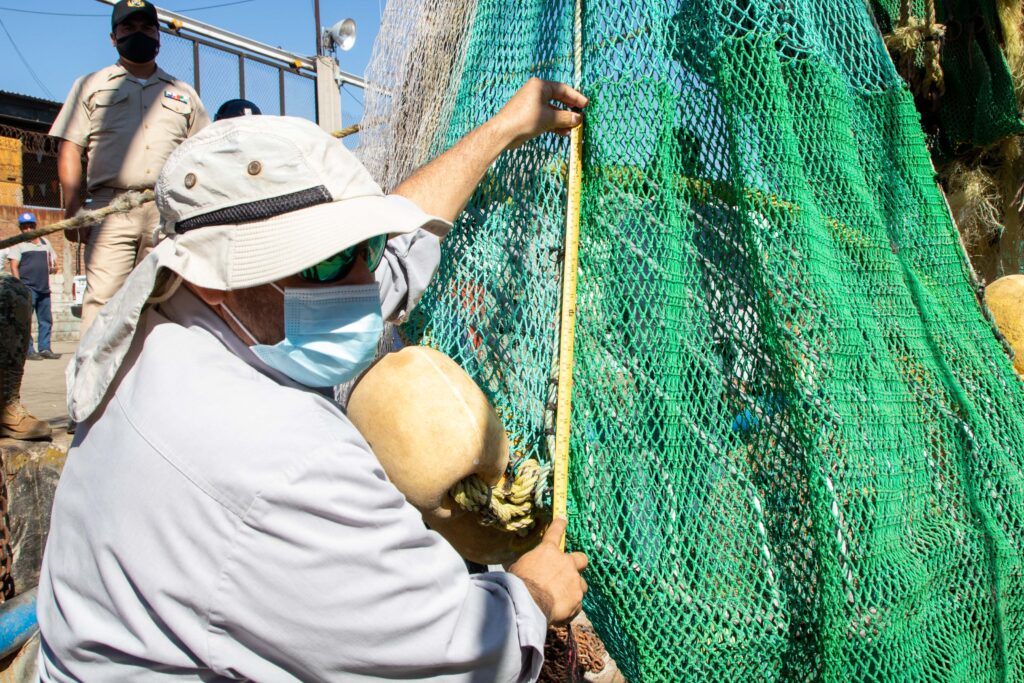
(219, 72)
(222, 65)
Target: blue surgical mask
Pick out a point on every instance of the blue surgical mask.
(330, 334)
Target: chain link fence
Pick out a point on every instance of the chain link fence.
(28, 169)
(220, 73)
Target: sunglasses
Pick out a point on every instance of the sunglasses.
(340, 265)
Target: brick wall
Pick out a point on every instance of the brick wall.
(65, 324)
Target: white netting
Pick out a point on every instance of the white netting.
(415, 68)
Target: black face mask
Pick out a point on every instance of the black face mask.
(138, 47)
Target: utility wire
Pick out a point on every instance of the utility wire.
(223, 4)
(24, 61)
(51, 14)
(346, 91)
(78, 14)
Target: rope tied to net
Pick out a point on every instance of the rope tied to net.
(346, 131)
(913, 33)
(508, 505)
(123, 204)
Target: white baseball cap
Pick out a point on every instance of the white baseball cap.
(246, 201)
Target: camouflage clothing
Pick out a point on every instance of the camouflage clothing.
(15, 332)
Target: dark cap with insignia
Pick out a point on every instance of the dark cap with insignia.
(233, 108)
(127, 8)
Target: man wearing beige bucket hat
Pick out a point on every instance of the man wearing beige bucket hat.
(219, 518)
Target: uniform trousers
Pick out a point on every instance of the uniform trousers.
(115, 246)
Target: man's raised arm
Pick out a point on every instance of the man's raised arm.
(444, 185)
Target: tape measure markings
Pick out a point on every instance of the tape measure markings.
(567, 330)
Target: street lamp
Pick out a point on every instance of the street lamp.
(341, 36)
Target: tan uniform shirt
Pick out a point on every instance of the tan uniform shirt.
(128, 129)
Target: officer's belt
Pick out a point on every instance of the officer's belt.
(107, 192)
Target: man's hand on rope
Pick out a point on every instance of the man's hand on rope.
(75, 234)
(553, 577)
(530, 111)
(78, 234)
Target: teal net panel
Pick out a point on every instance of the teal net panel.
(796, 442)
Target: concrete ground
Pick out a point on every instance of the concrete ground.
(43, 391)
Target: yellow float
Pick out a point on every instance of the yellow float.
(1005, 298)
(442, 444)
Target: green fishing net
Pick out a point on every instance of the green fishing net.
(797, 445)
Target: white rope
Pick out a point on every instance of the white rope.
(123, 204)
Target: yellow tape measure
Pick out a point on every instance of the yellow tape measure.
(567, 330)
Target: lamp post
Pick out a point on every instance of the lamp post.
(319, 36)
(341, 35)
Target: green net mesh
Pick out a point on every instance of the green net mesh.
(797, 445)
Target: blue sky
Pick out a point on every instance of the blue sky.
(61, 48)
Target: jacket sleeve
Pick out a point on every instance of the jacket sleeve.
(409, 263)
(333, 576)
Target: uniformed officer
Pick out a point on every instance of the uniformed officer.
(127, 119)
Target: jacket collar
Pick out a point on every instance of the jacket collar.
(116, 70)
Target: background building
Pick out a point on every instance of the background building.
(28, 182)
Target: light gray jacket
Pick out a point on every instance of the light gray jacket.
(218, 522)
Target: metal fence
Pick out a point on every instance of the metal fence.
(220, 72)
(28, 169)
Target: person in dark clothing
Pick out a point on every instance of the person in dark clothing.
(33, 262)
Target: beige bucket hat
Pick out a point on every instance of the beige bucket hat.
(246, 201)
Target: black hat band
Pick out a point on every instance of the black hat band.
(259, 210)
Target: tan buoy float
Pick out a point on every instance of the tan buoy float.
(1005, 298)
(442, 444)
